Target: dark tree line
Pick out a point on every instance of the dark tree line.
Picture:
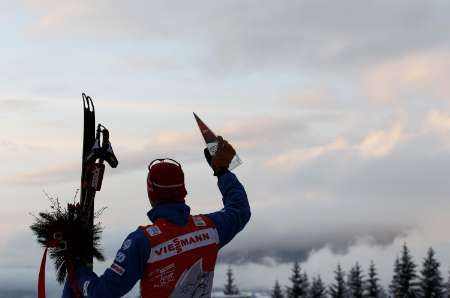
(406, 282)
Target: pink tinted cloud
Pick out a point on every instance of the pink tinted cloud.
(297, 157)
(53, 174)
(381, 142)
(420, 73)
(438, 120)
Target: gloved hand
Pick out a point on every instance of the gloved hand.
(222, 159)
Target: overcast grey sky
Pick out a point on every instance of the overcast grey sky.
(339, 109)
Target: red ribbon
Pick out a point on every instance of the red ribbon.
(41, 280)
(70, 271)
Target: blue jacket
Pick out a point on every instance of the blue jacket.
(135, 250)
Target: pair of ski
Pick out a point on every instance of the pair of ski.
(96, 150)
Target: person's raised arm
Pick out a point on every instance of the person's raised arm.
(236, 212)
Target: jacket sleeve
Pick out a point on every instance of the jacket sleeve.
(127, 268)
(236, 212)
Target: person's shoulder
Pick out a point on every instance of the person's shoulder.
(139, 232)
(203, 220)
(135, 238)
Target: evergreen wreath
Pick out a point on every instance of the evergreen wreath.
(65, 232)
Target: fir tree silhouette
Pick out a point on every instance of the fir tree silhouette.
(394, 287)
(338, 289)
(431, 284)
(299, 282)
(355, 282)
(317, 289)
(230, 287)
(371, 286)
(276, 291)
(404, 281)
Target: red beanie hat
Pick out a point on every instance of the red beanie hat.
(165, 181)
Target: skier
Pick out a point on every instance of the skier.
(176, 255)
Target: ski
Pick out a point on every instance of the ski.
(88, 139)
(96, 150)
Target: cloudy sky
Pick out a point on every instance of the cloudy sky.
(339, 110)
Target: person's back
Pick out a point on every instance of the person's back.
(176, 255)
(182, 259)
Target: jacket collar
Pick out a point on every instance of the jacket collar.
(176, 213)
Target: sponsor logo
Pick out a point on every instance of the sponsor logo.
(126, 244)
(85, 288)
(178, 244)
(117, 269)
(154, 230)
(183, 243)
(120, 257)
(199, 222)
